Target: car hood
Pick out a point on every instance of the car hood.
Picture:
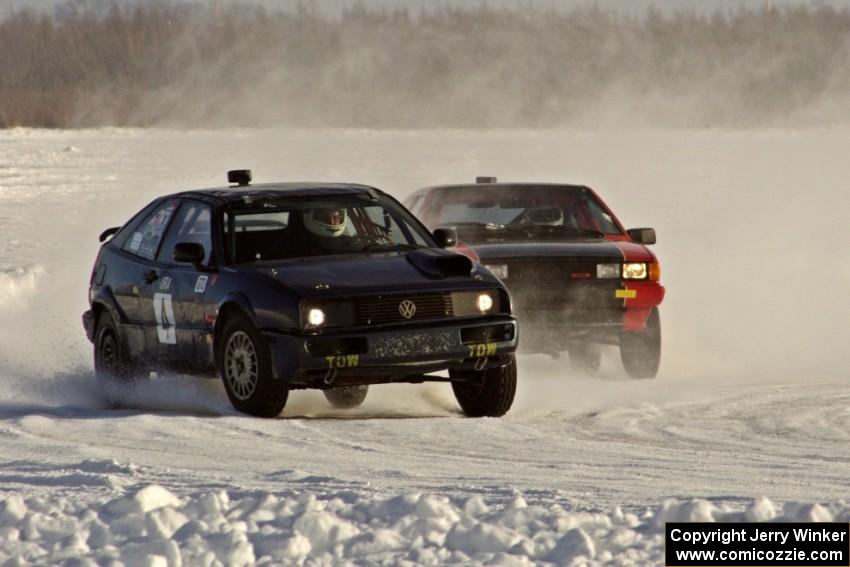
(597, 249)
(388, 271)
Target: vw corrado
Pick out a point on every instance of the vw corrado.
(286, 286)
(577, 278)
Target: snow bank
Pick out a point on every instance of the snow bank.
(151, 526)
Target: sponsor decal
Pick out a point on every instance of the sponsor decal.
(201, 284)
(481, 350)
(625, 293)
(136, 242)
(163, 309)
(343, 361)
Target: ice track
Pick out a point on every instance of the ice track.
(753, 398)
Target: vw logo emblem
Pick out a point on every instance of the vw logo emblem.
(407, 309)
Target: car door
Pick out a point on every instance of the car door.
(151, 279)
(182, 300)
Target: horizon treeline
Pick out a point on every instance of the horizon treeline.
(160, 64)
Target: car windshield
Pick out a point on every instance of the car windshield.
(279, 231)
(521, 213)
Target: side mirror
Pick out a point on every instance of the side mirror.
(108, 232)
(446, 237)
(189, 253)
(642, 235)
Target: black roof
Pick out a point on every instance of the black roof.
(273, 191)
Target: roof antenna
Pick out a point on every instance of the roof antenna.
(241, 177)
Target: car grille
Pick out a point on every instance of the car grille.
(548, 285)
(386, 308)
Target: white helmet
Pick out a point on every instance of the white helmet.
(329, 222)
(546, 216)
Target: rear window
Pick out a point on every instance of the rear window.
(144, 241)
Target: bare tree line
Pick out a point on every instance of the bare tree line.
(189, 65)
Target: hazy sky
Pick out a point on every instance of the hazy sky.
(622, 5)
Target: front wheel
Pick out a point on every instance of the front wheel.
(346, 397)
(244, 364)
(640, 351)
(485, 393)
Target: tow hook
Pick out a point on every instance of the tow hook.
(330, 376)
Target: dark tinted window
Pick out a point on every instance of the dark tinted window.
(144, 241)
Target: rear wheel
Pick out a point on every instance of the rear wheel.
(485, 393)
(244, 364)
(640, 351)
(586, 358)
(346, 397)
(112, 362)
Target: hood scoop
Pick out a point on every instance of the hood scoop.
(438, 264)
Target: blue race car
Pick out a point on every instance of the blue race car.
(287, 286)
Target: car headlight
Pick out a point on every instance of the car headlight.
(607, 271)
(321, 314)
(469, 303)
(485, 302)
(315, 317)
(634, 271)
(498, 270)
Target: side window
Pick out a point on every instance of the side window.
(192, 224)
(144, 241)
(256, 236)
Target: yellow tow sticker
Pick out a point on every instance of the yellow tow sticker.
(625, 293)
(481, 350)
(343, 361)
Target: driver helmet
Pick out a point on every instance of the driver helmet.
(329, 222)
(546, 216)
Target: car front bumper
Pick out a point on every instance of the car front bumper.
(391, 354)
(590, 313)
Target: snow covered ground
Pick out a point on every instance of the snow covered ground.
(749, 418)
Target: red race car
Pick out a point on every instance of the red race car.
(577, 278)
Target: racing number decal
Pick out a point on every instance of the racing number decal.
(164, 313)
(343, 361)
(481, 350)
